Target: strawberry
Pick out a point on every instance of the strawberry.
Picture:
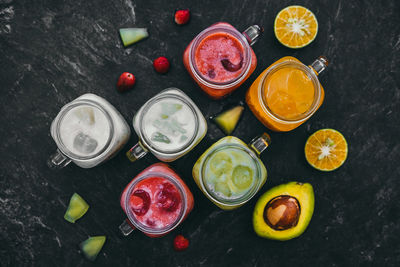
(161, 64)
(182, 16)
(125, 82)
(180, 243)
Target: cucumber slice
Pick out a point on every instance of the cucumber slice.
(132, 35)
(76, 209)
(228, 119)
(92, 246)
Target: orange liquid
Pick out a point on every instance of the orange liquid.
(289, 92)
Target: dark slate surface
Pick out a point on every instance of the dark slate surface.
(52, 52)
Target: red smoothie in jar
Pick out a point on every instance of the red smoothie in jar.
(156, 201)
(219, 57)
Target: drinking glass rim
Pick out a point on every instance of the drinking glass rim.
(246, 57)
(247, 196)
(144, 228)
(65, 111)
(309, 72)
(149, 104)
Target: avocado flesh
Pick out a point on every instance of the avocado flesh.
(303, 192)
(92, 246)
(228, 119)
(76, 209)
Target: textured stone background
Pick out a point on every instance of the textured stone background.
(54, 51)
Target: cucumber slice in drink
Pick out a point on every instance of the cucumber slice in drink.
(242, 177)
(221, 163)
(76, 209)
(92, 246)
(132, 35)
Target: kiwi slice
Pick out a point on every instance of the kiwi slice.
(132, 35)
(92, 246)
(228, 119)
(76, 209)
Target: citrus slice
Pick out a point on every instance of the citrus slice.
(326, 150)
(221, 163)
(295, 26)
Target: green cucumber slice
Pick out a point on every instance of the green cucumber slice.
(228, 119)
(132, 35)
(92, 246)
(76, 209)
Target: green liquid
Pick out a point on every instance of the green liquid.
(230, 173)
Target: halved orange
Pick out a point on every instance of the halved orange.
(295, 26)
(326, 150)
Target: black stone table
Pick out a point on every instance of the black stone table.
(55, 51)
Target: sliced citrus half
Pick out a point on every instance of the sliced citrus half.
(295, 26)
(326, 150)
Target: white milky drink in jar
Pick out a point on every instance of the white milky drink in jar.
(169, 125)
(87, 131)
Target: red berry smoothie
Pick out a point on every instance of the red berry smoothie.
(156, 202)
(158, 199)
(219, 57)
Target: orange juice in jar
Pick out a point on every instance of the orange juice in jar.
(287, 93)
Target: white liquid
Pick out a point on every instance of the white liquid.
(169, 124)
(84, 130)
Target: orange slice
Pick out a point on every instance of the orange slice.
(326, 150)
(295, 26)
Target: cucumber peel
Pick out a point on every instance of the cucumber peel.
(92, 246)
(76, 209)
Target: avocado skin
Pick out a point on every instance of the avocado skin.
(303, 192)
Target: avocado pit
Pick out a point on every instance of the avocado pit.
(282, 212)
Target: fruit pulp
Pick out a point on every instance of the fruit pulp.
(289, 93)
(215, 51)
(155, 201)
(226, 173)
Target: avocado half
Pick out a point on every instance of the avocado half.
(297, 213)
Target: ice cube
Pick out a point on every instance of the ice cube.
(168, 109)
(84, 143)
(176, 126)
(86, 115)
(183, 138)
(159, 137)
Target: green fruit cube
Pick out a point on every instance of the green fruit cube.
(132, 35)
(92, 246)
(76, 209)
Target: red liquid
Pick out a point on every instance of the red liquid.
(216, 60)
(216, 49)
(155, 201)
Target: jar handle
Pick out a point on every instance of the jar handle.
(320, 64)
(126, 227)
(252, 33)
(58, 160)
(136, 152)
(260, 143)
